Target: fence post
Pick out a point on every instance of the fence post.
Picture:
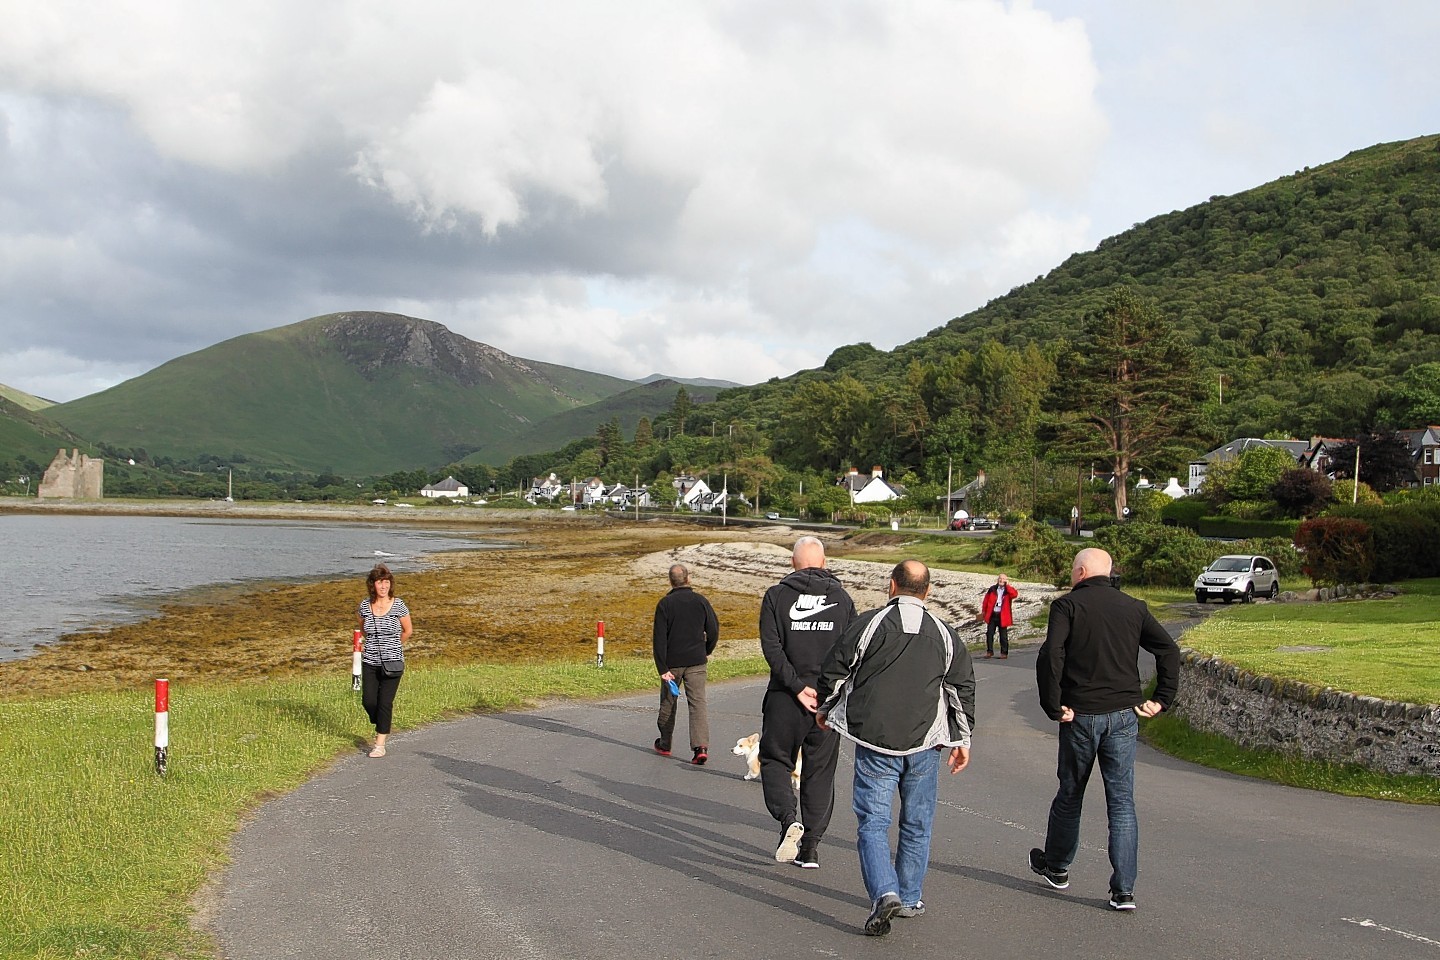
(162, 724)
(600, 643)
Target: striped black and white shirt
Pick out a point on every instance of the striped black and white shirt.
(382, 634)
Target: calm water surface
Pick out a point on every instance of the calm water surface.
(69, 573)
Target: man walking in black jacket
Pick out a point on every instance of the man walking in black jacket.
(686, 631)
(801, 617)
(1089, 678)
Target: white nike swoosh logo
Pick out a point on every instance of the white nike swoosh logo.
(797, 614)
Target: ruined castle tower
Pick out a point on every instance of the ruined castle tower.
(74, 476)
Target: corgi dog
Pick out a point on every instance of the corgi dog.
(749, 748)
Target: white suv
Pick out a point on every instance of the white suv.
(1239, 577)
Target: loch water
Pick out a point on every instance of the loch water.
(69, 573)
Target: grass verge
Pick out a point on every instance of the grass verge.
(1382, 648)
(1176, 737)
(107, 856)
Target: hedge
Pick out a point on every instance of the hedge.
(1234, 528)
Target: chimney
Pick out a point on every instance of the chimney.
(854, 472)
(875, 471)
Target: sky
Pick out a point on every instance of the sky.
(727, 189)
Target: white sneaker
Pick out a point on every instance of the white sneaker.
(789, 847)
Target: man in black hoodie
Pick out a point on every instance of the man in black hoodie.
(801, 617)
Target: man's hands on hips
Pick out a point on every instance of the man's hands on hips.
(959, 759)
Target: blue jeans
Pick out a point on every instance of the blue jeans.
(1110, 738)
(877, 777)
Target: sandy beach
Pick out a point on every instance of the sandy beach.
(540, 599)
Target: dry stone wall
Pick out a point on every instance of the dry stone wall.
(1317, 723)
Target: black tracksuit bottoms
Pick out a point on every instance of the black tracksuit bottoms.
(788, 728)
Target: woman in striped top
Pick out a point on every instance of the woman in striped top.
(386, 622)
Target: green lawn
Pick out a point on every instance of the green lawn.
(101, 857)
(1383, 648)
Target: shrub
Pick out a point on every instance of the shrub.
(1033, 550)
(1185, 512)
(1302, 493)
(1343, 491)
(1337, 549)
(1156, 555)
(1280, 549)
(1407, 537)
(1248, 509)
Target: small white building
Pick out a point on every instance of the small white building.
(871, 489)
(544, 488)
(449, 487)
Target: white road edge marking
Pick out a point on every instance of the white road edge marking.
(1380, 926)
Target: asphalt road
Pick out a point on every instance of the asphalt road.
(558, 833)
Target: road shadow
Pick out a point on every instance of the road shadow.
(670, 830)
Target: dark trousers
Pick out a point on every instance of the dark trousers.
(377, 695)
(990, 629)
(787, 728)
(693, 680)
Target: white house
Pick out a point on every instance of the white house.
(449, 487)
(592, 493)
(871, 489)
(544, 488)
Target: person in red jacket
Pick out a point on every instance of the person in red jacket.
(995, 611)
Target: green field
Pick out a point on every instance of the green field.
(107, 857)
(1383, 648)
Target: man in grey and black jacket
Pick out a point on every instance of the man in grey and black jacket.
(801, 617)
(901, 686)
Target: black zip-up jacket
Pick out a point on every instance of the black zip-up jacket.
(1090, 659)
(686, 630)
(801, 617)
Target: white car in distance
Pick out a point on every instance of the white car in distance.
(1237, 577)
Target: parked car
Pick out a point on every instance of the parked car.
(974, 523)
(1238, 577)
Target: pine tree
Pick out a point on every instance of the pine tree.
(1127, 389)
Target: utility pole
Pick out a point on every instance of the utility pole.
(1355, 492)
(949, 488)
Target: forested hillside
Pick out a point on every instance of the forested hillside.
(1309, 306)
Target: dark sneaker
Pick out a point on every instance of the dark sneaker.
(789, 847)
(700, 757)
(885, 910)
(661, 747)
(1059, 879)
(1122, 901)
(909, 910)
(808, 857)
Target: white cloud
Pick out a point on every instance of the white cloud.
(727, 188)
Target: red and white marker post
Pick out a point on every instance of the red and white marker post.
(162, 724)
(358, 644)
(600, 643)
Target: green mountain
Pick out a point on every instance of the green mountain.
(22, 399)
(356, 393)
(649, 400)
(29, 440)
